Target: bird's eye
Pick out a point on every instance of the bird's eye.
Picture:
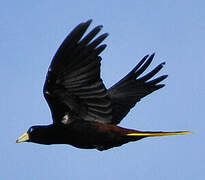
(30, 129)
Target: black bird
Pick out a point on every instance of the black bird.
(85, 114)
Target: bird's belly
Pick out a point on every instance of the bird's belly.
(88, 135)
(86, 141)
(100, 141)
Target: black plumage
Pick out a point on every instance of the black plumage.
(84, 112)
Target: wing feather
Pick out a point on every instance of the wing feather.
(128, 91)
(73, 84)
(74, 87)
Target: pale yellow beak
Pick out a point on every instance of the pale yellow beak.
(23, 138)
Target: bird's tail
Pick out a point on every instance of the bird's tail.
(154, 134)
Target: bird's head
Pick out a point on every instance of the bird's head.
(32, 135)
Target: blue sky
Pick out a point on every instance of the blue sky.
(31, 32)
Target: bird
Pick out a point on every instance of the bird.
(85, 114)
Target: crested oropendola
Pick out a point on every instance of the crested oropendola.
(85, 114)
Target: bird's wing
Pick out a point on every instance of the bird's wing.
(128, 91)
(73, 87)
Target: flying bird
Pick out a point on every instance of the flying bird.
(85, 114)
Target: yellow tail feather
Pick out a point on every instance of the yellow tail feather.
(153, 134)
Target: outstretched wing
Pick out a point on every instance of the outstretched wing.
(128, 91)
(73, 87)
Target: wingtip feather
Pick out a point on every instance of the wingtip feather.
(89, 21)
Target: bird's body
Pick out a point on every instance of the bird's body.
(86, 135)
(85, 114)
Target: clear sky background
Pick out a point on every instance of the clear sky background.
(31, 32)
